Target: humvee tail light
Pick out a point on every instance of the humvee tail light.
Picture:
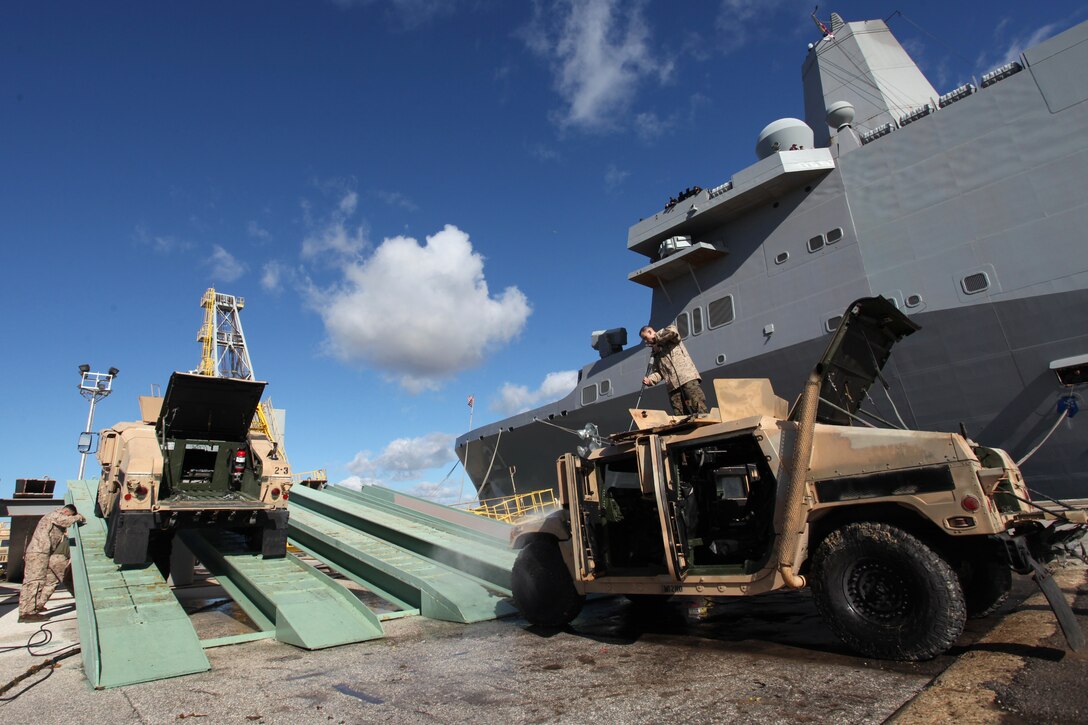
(275, 493)
(970, 503)
(141, 490)
(128, 496)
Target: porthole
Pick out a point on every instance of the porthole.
(720, 312)
(696, 320)
(720, 359)
(816, 243)
(974, 283)
(834, 235)
(913, 300)
(781, 257)
(682, 325)
(589, 394)
(832, 323)
(605, 387)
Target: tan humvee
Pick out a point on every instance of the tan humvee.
(191, 462)
(901, 534)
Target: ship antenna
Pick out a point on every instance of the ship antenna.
(819, 24)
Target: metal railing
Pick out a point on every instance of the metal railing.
(511, 508)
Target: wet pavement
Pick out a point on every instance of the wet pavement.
(766, 659)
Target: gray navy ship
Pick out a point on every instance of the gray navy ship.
(968, 210)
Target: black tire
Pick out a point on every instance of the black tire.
(542, 586)
(986, 585)
(886, 594)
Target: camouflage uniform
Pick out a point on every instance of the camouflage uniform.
(672, 364)
(45, 560)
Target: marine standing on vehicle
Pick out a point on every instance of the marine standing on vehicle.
(672, 364)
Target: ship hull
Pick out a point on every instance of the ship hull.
(969, 217)
(985, 367)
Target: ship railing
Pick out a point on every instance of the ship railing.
(512, 508)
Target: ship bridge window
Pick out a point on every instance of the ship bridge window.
(605, 386)
(589, 394)
(696, 320)
(973, 283)
(720, 312)
(781, 257)
(913, 300)
(816, 243)
(834, 235)
(682, 325)
(832, 323)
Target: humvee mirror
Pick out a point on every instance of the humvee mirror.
(88, 443)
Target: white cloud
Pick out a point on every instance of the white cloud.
(404, 458)
(224, 265)
(518, 398)
(256, 231)
(159, 243)
(357, 482)
(444, 493)
(348, 203)
(337, 241)
(1022, 42)
(419, 313)
(740, 21)
(600, 52)
(396, 199)
(440, 493)
(650, 126)
(614, 176)
(274, 275)
(543, 152)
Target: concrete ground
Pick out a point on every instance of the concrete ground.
(762, 660)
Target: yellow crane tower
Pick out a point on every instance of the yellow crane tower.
(224, 352)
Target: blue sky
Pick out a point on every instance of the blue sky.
(419, 200)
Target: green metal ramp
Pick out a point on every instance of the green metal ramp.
(465, 523)
(303, 606)
(131, 627)
(479, 555)
(399, 574)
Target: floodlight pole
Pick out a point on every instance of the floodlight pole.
(93, 387)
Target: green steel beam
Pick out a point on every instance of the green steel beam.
(131, 627)
(235, 639)
(438, 591)
(369, 585)
(457, 521)
(309, 609)
(433, 540)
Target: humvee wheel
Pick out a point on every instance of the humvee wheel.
(886, 594)
(541, 585)
(986, 586)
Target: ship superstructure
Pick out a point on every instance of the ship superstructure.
(966, 209)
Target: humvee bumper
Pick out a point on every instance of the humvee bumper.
(129, 532)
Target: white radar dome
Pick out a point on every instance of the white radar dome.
(839, 114)
(785, 134)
